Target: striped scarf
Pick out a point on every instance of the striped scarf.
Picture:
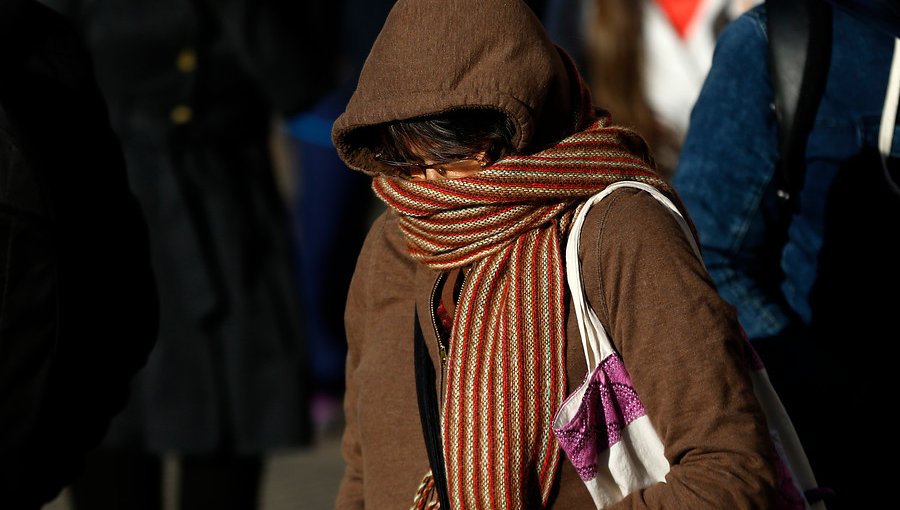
(506, 369)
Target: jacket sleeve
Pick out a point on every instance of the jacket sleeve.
(383, 442)
(350, 493)
(358, 316)
(683, 348)
(726, 177)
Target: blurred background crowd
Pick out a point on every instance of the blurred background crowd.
(224, 111)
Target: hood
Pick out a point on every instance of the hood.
(434, 56)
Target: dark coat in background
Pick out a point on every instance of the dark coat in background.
(193, 87)
(78, 311)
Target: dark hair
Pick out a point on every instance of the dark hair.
(447, 137)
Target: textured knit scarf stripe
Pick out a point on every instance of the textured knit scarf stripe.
(506, 369)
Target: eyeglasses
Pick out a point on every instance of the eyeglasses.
(420, 171)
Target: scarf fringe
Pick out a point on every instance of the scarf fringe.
(426, 495)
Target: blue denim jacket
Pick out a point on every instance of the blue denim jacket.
(726, 171)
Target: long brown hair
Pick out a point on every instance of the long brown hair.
(614, 57)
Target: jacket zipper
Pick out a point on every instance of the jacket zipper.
(442, 349)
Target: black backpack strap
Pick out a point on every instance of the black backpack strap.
(799, 55)
(429, 414)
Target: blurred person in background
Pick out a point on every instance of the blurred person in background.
(78, 309)
(813, 279)
(194, 88)
(332, 211)
(645, 60)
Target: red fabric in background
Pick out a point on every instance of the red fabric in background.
(681, 13)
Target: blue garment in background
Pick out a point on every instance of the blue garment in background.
(333, 206)
(332, 212)
(726, 171)
(815, 290)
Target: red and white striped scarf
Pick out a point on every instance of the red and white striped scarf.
(506, 368)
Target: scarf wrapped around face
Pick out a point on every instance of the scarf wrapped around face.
(506, 371)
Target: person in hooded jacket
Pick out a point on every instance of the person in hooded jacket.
(194, 89)
(482, 139)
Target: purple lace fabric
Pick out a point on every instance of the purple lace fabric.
(608, 405)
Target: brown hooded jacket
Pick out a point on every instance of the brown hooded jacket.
(680, 340)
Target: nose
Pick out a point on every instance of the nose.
(432, 174)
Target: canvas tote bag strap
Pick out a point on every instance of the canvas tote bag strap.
(594, 340)
(889, 117)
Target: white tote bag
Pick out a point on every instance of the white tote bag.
(603, 427)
